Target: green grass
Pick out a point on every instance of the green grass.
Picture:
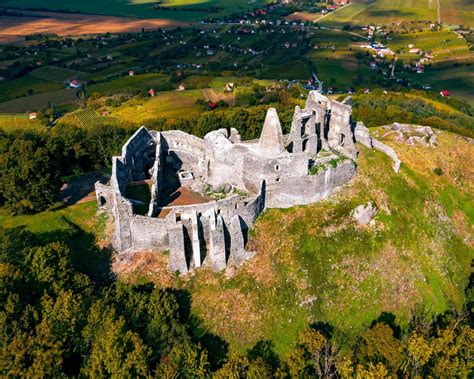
(39, 101)
(19, 87)
(314, 264)
(56, 74)
(453, 12)
(287, 70)
(127, 83)
(167, 104)
(61, 220)
(459, 81)
(443, 45)
(142, 8)
(18, 121)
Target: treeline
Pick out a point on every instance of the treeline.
(378, 109)
(59, 319)
(33, 163)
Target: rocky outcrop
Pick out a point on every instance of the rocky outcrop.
(364, 214)
(414, 135)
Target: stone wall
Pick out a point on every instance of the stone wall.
(148, 232)
(309, 189)
(138, 154)
(157, 179)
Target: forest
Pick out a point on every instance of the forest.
(60, 321)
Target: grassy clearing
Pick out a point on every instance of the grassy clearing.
(349, 15)
(314, 264)
(459, 81)
(443, 45)
(453, 12)
(339, 70)
(58, 220)
(457, 12)
(169, 104)
(127, 83)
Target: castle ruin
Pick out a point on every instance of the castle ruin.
(203, 195)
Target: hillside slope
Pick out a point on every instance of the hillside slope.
(315, 264)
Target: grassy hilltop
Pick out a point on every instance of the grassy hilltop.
(314, 264)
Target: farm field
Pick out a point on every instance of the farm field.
(56, 74)
(69, 24)
(457, 12)
(454, 12)
(183, 10)
(25, 85)
(169, 104)
(444, 45)
(459, 81)
(17, 121)
(39, 101)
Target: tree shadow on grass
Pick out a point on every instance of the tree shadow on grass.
(388, 318)
(216, 346)
(86, 256)
(264, 349)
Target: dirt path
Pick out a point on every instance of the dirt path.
(14, 28)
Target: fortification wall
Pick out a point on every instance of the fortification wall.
(138, 154)
(308, 189)
(258, 169)
(122, 212)
(120, 175)
(157, 179)
(149, 232)
(190, 151)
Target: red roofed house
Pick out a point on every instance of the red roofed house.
(151, 92)
(444, 93)
(212, 104)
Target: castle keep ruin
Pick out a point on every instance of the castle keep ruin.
(197, 198)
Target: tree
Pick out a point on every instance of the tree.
(185, 360)
(117, 352)
(314, 355)
(379, 345)
(29, 176)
